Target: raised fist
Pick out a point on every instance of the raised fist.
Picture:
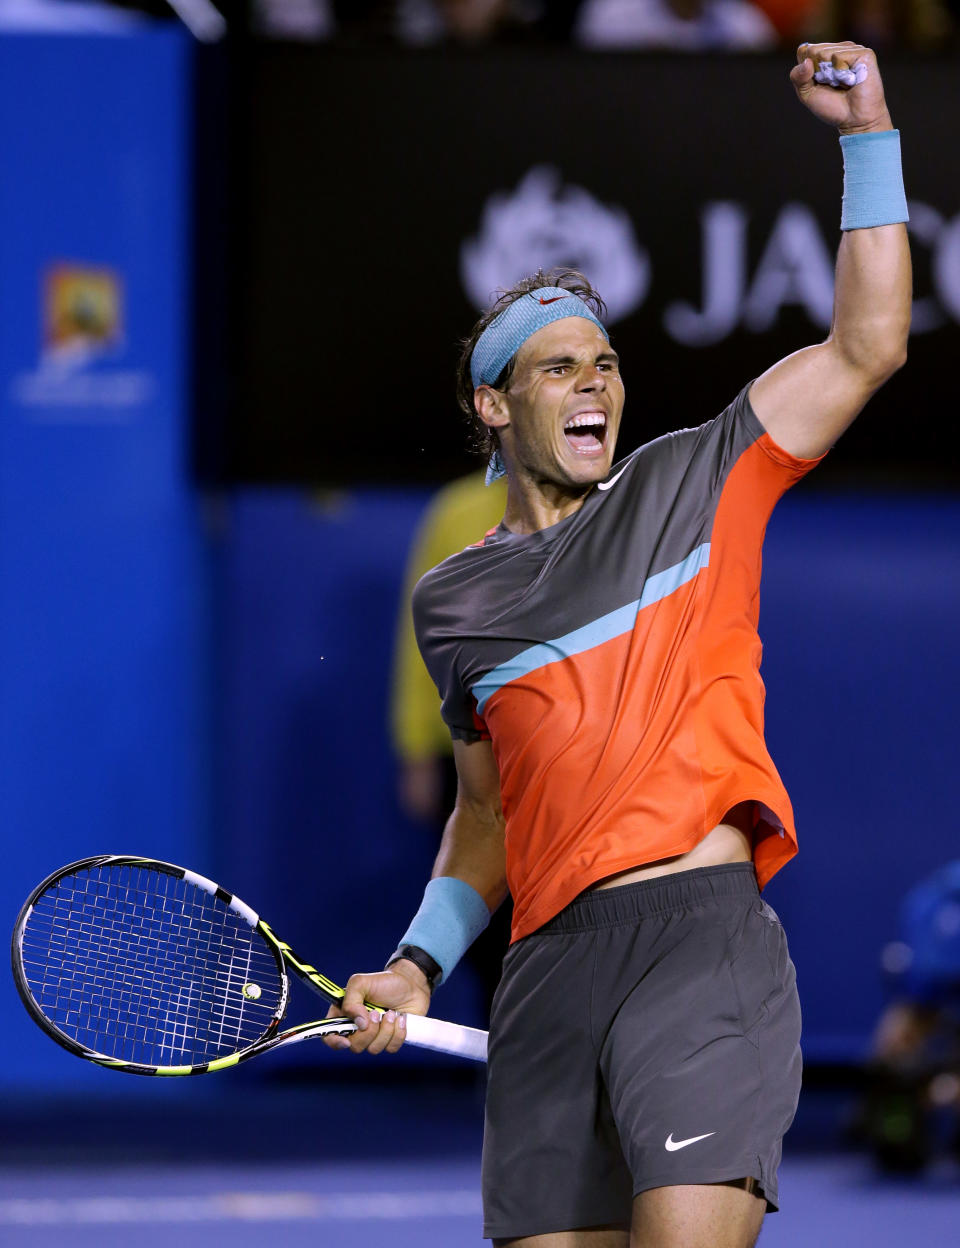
(852, 109)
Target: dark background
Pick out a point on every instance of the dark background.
(356, 176)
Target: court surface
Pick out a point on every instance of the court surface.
(828, 1200)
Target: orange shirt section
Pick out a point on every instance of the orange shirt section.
(634, 750)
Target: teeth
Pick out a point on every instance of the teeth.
(586, 418)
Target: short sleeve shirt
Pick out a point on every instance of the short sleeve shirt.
(613, 662)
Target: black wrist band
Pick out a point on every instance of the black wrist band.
(420, 958)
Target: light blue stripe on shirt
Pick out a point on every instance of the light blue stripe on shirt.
(615, 624)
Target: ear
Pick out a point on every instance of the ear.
(491, 406)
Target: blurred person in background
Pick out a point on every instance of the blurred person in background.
(917, 24)
(311, 20)
(793, 20)
(679, 25)
(471, 21)
(458, 516)
(913, 1099)
(67, 16)
(685, 25)
(897, 24)
(418, 23)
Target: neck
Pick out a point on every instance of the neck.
(533, 505)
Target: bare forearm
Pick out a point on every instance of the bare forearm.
(807, 400)
(871, 313)
(473, 850)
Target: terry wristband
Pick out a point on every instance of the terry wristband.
(451, 917)
(872, 180)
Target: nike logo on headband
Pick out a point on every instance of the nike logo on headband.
(553, 299)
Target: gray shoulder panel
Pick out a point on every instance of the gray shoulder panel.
(483, 606)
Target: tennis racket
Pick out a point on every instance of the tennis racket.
(145, 967)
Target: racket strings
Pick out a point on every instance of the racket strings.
(142, 966)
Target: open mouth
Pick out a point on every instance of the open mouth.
(586, 432)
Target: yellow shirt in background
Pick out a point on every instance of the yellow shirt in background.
(461, 513)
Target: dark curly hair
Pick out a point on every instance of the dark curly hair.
(483, 439)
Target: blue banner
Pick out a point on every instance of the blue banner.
(103, 719)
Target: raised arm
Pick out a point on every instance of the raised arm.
(467, 885)
(807, 400)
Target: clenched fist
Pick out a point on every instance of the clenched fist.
(853, 110)
(398, 991)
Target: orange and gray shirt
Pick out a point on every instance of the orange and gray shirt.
(613, 662)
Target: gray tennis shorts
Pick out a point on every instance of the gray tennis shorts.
(646, 1036)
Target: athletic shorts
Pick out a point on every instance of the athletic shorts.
(646, 1036)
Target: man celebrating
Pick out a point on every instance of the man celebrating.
(598, 659)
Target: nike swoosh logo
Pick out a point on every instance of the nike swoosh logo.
(554, 299)
(672, 1145)
(606, 485)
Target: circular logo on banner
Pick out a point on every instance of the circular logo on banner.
(543, 223)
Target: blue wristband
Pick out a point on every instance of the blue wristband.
(872, 180)
(451, 917)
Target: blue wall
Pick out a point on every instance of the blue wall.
(104, 714)
(127, 700)
(859, 608)
(310, 831)
(859, 614)
(860, 604)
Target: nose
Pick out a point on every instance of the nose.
(591, 379)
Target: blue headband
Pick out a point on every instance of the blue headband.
(505, 335)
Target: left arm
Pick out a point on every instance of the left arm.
(807, 400)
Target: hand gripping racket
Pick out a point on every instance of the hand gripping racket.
(144, 967)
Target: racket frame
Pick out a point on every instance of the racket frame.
(283, 955)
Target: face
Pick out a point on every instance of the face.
(560, 414)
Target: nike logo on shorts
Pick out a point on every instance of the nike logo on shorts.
(606, 485)
(672, 1145)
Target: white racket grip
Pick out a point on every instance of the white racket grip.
(433, 1033)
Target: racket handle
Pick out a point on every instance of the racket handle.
(434, 1033)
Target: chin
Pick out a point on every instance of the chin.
(590, 473)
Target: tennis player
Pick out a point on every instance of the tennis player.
(598, 660)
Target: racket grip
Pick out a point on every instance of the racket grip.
(434, 1033)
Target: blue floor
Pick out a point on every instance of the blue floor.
(827, 1201)
(240, 1164)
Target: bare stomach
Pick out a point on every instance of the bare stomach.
(729, 841)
